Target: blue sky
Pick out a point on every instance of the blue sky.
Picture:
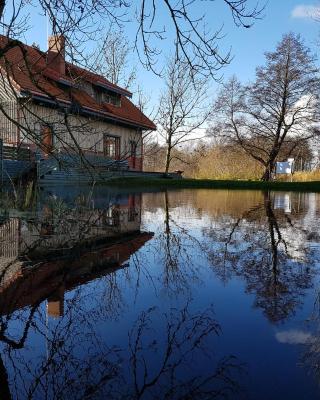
(248, 45)
(281, 16)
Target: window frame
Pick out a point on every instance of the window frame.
(116, 140)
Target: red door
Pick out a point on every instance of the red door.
(133, 153)
(46, 140)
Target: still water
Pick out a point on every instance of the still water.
(193, 294)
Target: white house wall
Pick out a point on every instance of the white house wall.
(85, 132)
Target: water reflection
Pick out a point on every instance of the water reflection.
(63, 248)
(267, 248)
(58, 251)
(110, 294)
(59, 287)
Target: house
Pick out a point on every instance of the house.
(53, 107)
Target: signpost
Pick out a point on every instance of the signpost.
(285, 167)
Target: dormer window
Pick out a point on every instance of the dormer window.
(112, 98)
(105, 96)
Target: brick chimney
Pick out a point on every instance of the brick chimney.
(56, 54)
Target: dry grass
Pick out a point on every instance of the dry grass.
(303, 176)
(228, 163)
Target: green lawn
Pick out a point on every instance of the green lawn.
(163, 183)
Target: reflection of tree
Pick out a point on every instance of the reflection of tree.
(310, 358)
(4, 382)
(76, 364)
(259, 247)
(166, 374)
(174, 361)
(176, 247)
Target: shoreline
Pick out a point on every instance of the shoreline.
(310, 186)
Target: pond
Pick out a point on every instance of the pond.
(190, 294)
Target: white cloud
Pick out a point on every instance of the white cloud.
(293, 336)
(306, 11)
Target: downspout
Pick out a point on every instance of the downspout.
(18, 120)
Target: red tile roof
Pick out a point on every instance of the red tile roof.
(27, 67)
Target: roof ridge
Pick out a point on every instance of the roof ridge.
(103, 78)
(82, 69)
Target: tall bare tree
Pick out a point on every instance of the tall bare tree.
(183, 108)
(278, 110)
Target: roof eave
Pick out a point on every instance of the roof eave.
(118, 90)
(109, 116)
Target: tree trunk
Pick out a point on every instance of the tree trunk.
(267, 175)
(168, 156)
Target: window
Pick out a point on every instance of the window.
(133, 153)
(112, 98)
(103, 96)
(46, 138)
(113, 216)
(112, 147)
(132, 215)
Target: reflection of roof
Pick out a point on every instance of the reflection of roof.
(27, 66)
(35, 284)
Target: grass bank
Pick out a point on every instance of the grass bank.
(312, 186)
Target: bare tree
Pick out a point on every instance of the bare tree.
(183, 108)
(193, 40)
(115, 63)
(81, 21)
(279, 109)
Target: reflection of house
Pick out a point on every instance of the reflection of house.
(44, 257)
(50, 280)
(54, 230)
